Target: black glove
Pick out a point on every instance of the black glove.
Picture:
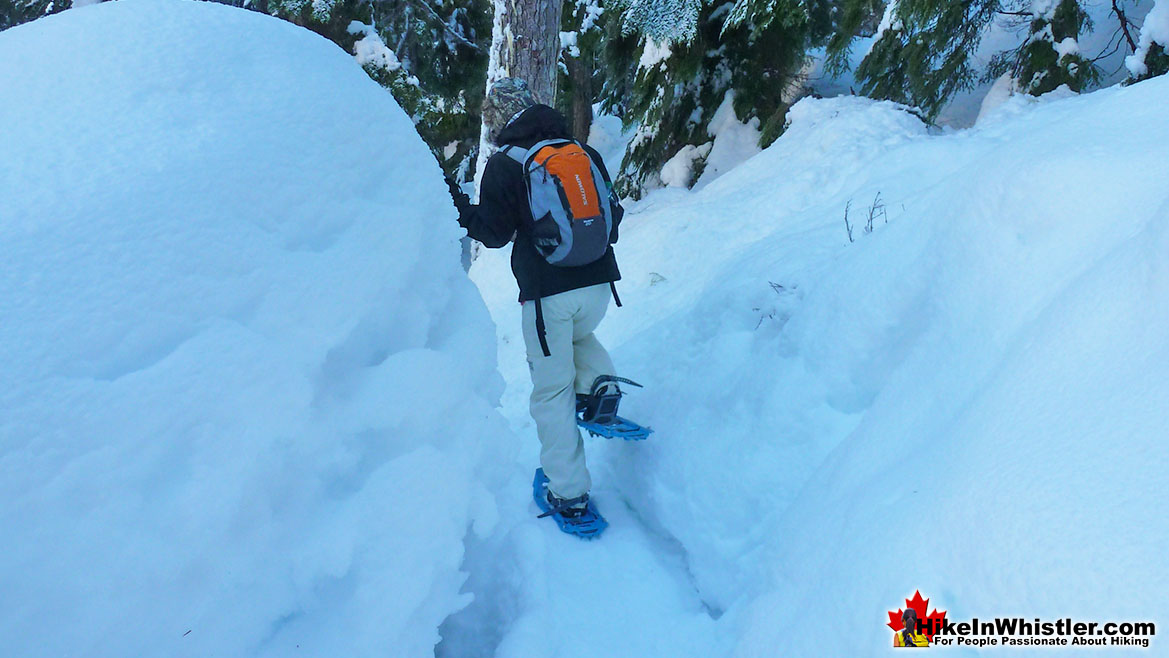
(462, 201)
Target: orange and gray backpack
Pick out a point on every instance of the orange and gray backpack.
(570, 201)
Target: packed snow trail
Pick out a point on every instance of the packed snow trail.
(540, 592)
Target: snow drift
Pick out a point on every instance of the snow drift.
(968, 398)
(246, 390)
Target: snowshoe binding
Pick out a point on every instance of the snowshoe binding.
(575, 516)
(597, 411)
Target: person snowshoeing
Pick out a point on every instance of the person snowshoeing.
(564, 264)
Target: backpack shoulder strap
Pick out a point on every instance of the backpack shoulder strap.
(515, 153)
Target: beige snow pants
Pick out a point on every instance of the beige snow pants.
(577, 358)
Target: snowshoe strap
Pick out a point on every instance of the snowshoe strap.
(567, 507)
(600, 405)
(604, 379)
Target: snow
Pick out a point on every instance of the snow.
(968, 400)
(610, 138)
(590, 12)
(889, 21)
(1000, 92)
(370, 50)
(1016, 104)
(734, 141)
(678, 171)
(1069, 46)
(251, 405)
(653, 53)
(1155, 29)
(449, 150)
(673, 21)
(248, 392)
(1043, 8)
(568, 44)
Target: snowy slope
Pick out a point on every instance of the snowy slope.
(246, 390)
(970, 400)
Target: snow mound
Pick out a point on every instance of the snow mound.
(246, 402)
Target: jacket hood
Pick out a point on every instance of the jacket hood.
(536, 123)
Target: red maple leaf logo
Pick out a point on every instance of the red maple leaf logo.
(919, 606)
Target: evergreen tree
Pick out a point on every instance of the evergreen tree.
(1050, 56)
(1151, 55)
(1156, 62)
(328, 18)
(16, 12)
(442, 49)
(753, 49)
(663, 21)
(922, 53)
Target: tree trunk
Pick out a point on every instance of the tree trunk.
(525, 43)
(580, 69)
(530, 44)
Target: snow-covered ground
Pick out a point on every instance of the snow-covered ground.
(970, 400)
(248, 396)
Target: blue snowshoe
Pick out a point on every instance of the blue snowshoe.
(597, 411)
(576, 516)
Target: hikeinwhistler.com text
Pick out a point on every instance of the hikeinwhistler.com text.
(1019, 632)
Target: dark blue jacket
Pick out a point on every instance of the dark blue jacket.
(503, 212)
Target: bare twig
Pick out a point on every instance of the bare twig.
(878, 208)
(848, 226)
(1110, 49)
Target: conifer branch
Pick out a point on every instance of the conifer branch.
(1124, 23)
(446, 26)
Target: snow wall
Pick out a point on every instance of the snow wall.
(242, 374)
(970, 400)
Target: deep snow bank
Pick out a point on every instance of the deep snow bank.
(1001, 346)
(969, 400)
(238, 351)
